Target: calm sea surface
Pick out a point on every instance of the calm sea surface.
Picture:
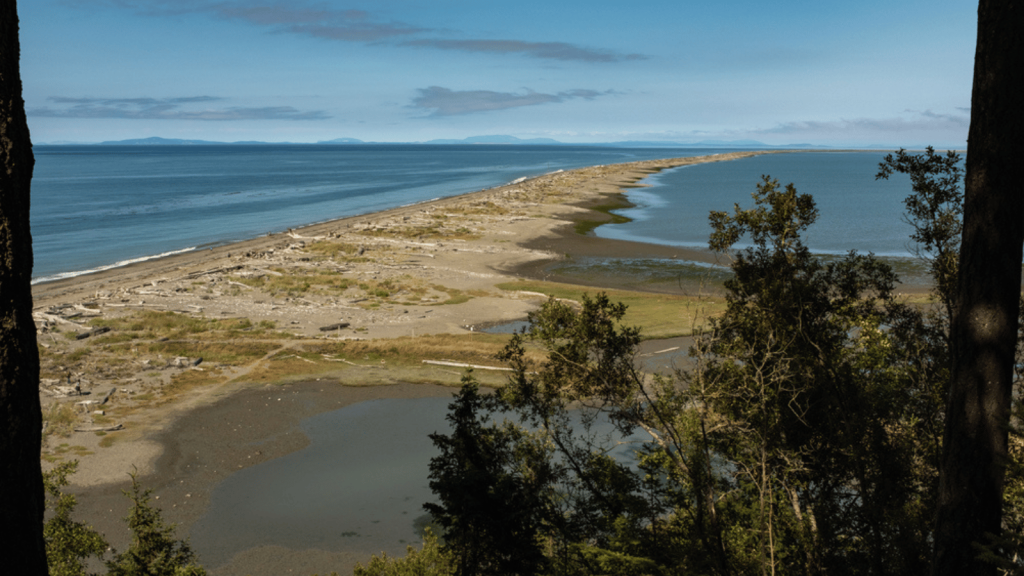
(103, 206)
(99, 206)
(856, 211)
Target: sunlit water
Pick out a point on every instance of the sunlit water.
(856, 211)
(97, 206)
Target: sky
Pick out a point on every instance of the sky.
(863, 73)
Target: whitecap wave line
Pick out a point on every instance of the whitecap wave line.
(64, 275)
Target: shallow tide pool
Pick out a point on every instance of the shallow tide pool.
(359, 485)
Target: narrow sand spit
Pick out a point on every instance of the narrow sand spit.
(198, 340)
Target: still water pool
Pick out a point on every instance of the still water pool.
(359, 485)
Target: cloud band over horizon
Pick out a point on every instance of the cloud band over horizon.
(446, 102)
(348, 25)
(166, 109)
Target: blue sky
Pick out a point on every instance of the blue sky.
(834, 73)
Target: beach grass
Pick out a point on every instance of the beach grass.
(657, 315)
(385, 361)
(586, 226)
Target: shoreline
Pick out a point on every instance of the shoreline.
(449, 253)
(71, 275)
(154, 265)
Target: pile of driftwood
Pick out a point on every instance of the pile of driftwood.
(65, 315)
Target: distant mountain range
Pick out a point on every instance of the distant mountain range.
(474, 140)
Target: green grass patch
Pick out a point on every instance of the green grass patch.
(109, 440)
(476, 348)
(332, 249)
(232, 353)
(586, 226)
(59, 420)
(153, 325)
(657, 315)
(293, 283)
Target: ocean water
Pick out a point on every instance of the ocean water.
(856, 212)
(103, 206)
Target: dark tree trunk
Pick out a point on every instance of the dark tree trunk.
(984, 331)
(22, 550)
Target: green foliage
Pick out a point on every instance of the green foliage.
(431, 560)
(935, 210)
(608, 516)
(153, 551)
(493, 484)
(69, 544)
(805, 438)
(821, 397)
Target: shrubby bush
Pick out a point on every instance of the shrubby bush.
(70, 544)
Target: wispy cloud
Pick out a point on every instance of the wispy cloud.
(918, 121)
(549, 50)
(166, 109)
(287, 17)
(446, 102)
(322, 21)
(332, 24)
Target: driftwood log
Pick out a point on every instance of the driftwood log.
(93, 332)
(463, 365)
(100, 428)
(337, 326)
(107, 397)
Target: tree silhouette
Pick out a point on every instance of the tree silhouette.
(984, 328)
(21, 497)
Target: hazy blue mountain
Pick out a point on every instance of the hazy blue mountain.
(342, 141)
(157, 141)
(496, 139)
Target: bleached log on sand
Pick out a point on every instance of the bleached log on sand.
(463, 365)
(58, 320)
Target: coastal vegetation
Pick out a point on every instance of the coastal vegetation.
(658, 315)
(806, 437)
(71, 544)
(168, 355)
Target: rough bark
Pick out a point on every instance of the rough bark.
(21, 485)
(984, 329)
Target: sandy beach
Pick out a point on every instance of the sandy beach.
(165, 366)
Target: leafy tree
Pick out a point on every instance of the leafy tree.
(492, 484)
(21, 499)
(430, 560)
(935, 210)
(805, 438)
(154, 551)
(820, 396)
(69, 543)
(610, 516)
